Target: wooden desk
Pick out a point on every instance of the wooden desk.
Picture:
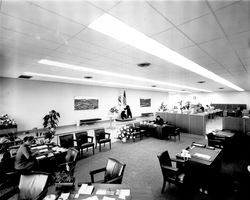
(141, 193)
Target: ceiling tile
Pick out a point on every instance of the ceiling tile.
(214, 67)
(173, 39)
(76, 52)
(192, 52)
(104, 4)
(141, 16)
(99, 39)
(235, 18)
(220, 4)
(241, 40)
(179, 12)
(244, 53)
(88, 47)
(81, 12)
(218, 46)
(227, 59)
(246, 61)
(202, 29)
(36, 15)
(29, 29)
(205, 60)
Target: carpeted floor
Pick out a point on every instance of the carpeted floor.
(142, 165)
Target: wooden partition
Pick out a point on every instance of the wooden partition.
(182, 122)
(197, 124)
(233, 123)
(188, 123)
(246, 125)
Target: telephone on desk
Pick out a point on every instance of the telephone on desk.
(185, 154)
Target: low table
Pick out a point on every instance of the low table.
(89, 121)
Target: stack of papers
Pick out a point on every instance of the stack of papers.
(202, 156)
(40, 157)
(123, 193)
(86, 189)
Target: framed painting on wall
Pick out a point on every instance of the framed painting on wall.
(145, 102)
(85, 103)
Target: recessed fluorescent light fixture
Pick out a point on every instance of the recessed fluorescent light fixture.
(113, 84)
(112, 27)
(107, 73)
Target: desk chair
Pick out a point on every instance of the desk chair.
(172, 132)
(171, 174)
(66, 141)
(101, 137)
(33, 185)
(113, 172)
(84, 141)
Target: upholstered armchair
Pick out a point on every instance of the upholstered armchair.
(170, 173)
(113, 172)
(101, 137)
(33, 185)
(84, 141)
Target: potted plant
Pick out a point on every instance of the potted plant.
(50, 122)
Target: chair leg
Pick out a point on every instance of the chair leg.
(110, 145)
(100, 147)
(93, 150)
(163, 186)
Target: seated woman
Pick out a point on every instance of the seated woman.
(25, 160)
(159, 120)
(123, 115)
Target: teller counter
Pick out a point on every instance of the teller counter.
(188, 123)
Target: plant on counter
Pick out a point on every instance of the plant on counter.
(5, 120)
(113, 110)
(50, 122)
(163, 107)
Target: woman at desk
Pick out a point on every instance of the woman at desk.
(25, 160)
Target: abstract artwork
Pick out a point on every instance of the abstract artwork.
(83, 103)
(145, 102)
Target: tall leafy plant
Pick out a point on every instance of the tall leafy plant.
(50, 122)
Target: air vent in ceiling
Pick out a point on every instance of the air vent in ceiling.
(201, 81)
(88, 77)
(221, 88)
(153, 86)
(25, 76)
(145, 64)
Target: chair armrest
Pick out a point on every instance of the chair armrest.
(108, 134)
(177, 160)
(42, 194)
(114, 180)
(170, 168)
(93, 172)
(91, 138)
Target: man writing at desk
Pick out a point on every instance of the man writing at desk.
(25, 160)
(159, 120)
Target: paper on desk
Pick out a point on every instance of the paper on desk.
(92, 198)
(124, 192)
(101, 192)
(64, 196)
(40, 157)
(85, 189)
(107, 198)
(204, 156)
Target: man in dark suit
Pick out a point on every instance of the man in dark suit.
(159, 120)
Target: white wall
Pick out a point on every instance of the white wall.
(208, 98)
(28, 101)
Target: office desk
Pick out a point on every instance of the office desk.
(142, 193)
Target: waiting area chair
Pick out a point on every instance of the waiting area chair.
(101, 137)
(33, 185)
(216, 141)
(66, 141)
(172, 132)
(113, 172)
(171, 174)
(84, 141)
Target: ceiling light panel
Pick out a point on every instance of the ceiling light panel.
(112, 27)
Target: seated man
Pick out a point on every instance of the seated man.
(159, 120)
(25, 160)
